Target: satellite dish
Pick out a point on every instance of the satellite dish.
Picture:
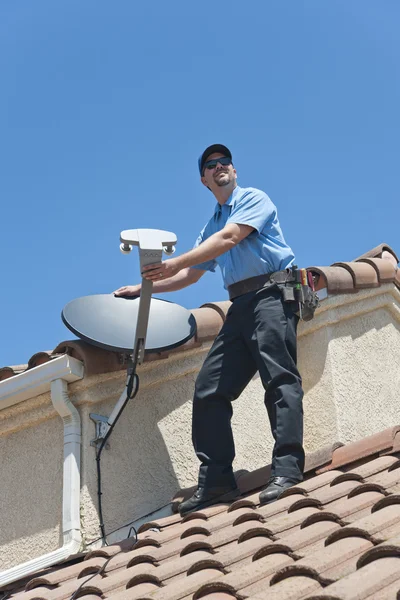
(110, 322)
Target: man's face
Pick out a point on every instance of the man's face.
(220, 175)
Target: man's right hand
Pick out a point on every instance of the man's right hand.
(128, 291)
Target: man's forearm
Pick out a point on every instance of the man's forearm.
(173, 284)
(216, 245)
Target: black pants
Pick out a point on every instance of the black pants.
(259, 334)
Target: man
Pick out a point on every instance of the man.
(244, 238)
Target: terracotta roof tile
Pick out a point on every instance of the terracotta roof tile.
(388, 478)
(379, 252)
(317, 482)
(6, 373)
(287, 521)
(385, 270)
(247, 575)
(335, 555)
(333, 492)
(363, 274)
(74, 571)
(336, 533)
(306, 537)
(337, 280)
(379, 526)
(39, 593)
(217, 595)
(382, 463)
(40, 358)
(384, 441)
(351, 509)
(290, 588)
(364, 582)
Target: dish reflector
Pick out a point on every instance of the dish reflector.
(110, 322)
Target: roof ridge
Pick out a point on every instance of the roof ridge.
(372, 269)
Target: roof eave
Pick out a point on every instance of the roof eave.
(37, 380)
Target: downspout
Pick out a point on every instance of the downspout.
(71, 528)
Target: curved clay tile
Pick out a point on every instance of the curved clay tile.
(88, 594)
(96, 360)
(303, 503)
(221, 307)
(253, 532)
(366, 487)
(320, 516)
(195, 547)
(6, 373)
(275, 548)
(198, 514)
(377, 552)
(345, 532)
(149, 525)
(385, 270)
(40, 358)
(141, 559)
(293, 571)
(44, 581)
(378, 252)
(386, 501)
(346, 477)
(337, 280)
(215, 595)
(87, 591)
(215, 591)
(209, 563)
(250, 515)
(378, 442)
(241, 503)
(317, 459)
(208, 321)
(390, 257)
(109, 551)
(143, 578)
(363, 274)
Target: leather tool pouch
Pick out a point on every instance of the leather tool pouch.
(300, 289)
(310, 304)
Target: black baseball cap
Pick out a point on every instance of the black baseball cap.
(210, 150)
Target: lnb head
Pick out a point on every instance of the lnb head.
(169, 249)
(125, 248)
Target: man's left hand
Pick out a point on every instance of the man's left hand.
(161, 271)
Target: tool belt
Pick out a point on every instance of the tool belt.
(296, 285)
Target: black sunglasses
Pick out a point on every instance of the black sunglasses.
(211, 164)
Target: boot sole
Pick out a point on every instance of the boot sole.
(233, 495)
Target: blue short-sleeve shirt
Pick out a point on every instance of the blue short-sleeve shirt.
(263, 251)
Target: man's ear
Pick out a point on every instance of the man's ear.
(203, 181)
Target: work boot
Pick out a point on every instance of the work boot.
(275, 488)
(206, 496)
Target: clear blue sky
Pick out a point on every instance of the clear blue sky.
(105, 107)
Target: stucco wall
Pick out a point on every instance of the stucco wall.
(31, 461)
(349, 357)
(151, 455)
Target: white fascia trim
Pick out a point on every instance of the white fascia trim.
(38, 380)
